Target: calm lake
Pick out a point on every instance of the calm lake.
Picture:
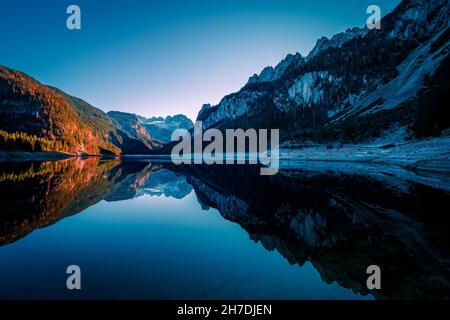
(150, 230)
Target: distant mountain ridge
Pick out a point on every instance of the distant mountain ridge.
(158, 129)
(355, 85)
(162, 129)
(131, 124)
(36, 117)
(337, 40)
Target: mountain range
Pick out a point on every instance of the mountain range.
(36, 117)
(156, 128)
(355, 85)
(350, 88)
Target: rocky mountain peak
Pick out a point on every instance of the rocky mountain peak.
(337, 40)
(203, 110)
(271, 74)
(155, 129)
(351, 81)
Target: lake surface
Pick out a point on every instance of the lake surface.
(143, 230)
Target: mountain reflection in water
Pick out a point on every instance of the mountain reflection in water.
(339, 223)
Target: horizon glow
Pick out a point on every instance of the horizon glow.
(159, 58)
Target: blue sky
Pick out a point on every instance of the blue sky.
(165, 57)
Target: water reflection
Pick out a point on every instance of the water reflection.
(340, 223)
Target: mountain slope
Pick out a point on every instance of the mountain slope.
(353, 86)
(131, 124)
(156, 130)
(35, 117)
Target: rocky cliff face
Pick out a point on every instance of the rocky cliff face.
(354, 85)
(132, 125)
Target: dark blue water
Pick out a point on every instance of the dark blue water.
(152, 233)
(154, 247)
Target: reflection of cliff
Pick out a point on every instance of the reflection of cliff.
(153, 180)
(341, 224)
(35, 195)
(167, 183)
(134, 174)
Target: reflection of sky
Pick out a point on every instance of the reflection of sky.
(154, 247)
(165, 57)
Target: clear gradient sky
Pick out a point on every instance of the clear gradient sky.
(164, 57)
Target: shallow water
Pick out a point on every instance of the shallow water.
(141, 230)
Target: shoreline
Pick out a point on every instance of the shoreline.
(24, 156)
(428, 155)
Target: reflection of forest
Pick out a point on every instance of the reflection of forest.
(340, 223)
(34, 195)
